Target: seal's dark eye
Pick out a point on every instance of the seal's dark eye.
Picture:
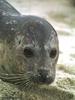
(53, 53)
(28, 52)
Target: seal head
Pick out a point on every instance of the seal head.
(33, 51)
(29, 48)
(41, 49)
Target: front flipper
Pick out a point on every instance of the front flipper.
(7, 9)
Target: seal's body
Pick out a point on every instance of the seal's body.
(29, 50)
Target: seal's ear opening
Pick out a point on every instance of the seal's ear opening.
(7, 9)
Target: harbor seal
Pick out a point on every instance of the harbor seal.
(29, 50)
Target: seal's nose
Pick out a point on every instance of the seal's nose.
(43, 72)
(44, 76)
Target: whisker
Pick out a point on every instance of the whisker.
(19, 82)
(24, 84)
(11, 78)
(22, 80)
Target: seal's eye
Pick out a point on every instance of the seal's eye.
(53, 53)
(28, 52)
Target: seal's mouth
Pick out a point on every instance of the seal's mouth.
(27, 80)
(42, 79)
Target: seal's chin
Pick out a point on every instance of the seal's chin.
(42, 79)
